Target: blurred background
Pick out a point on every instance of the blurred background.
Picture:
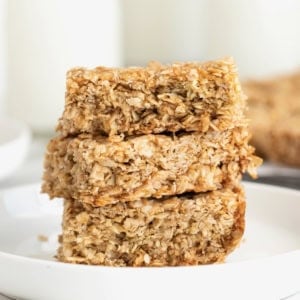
(41, 40)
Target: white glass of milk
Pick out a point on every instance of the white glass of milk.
(45, 39)
(2, 54)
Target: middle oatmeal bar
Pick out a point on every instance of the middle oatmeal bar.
(98, 171)
(155, 99)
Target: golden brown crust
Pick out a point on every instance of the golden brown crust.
(158, 98)
(274, 110)
(188, 230)
(100, 171)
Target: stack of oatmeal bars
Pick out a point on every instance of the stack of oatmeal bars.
(149, 162)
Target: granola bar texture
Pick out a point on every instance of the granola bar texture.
(274, 111)
(190, 229)
(149, 162)
(155, 99)
(100, 171)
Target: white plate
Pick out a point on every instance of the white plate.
(265, 266)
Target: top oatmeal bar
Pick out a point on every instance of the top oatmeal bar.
(154, 99)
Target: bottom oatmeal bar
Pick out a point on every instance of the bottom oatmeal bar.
(190, 229)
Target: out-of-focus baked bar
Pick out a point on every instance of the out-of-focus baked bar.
(274, 111)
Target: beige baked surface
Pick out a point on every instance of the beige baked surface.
(100, 171)
(274, 110)
(187, 230)
(149, 162)
(158, 98)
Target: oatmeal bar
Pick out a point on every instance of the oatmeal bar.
(275, 118)
(190, 229)
(99, 171)
(158, 98)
